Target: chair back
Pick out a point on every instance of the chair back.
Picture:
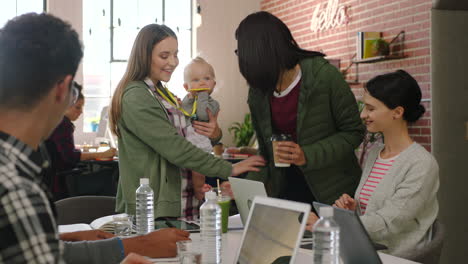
(430, 254)
(84, 209)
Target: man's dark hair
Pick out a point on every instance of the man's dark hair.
(265, 49)
(36, 51)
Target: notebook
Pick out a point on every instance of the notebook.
(244, 191)
(273, 231)
(105, 223)
(355, 244)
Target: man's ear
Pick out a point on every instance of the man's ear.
(62, 89)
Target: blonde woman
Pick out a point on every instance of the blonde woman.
(151, 128)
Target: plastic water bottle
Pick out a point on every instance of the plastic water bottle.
(210, 229)
(144, 208)
(326, 237)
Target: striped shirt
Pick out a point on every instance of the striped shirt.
(378, 172)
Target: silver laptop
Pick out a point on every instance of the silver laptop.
(273, 231)
(355, 244)
(244, 191)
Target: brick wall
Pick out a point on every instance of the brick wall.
(387, 16)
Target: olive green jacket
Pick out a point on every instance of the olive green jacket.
(328, 131)
(150, 147)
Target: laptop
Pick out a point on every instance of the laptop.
(244, 191)
(273, 231)
(355, 245)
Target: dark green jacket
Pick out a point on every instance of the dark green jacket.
(328, 131)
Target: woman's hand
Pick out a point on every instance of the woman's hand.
(109, 153)
(210, 128)
(346, 202)
(226, 189)
(249, 164)
(311, 221)
(290, 152)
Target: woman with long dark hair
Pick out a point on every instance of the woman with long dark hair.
(298, 92)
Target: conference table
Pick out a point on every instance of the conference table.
(232, 240)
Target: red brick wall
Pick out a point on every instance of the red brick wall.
(387, 16)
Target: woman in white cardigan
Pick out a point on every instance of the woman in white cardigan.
(396, 197)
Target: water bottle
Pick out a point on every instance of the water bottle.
(144, 208)
(326, 237)
(210, 229)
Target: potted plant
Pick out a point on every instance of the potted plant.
(381, 47)
(242, 132)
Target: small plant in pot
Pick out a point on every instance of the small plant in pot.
(382, 48)
(242, 132)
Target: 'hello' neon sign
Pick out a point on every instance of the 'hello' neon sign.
(330, 17)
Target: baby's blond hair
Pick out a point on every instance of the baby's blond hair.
(196, 60)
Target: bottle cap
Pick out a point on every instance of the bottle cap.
(210, 195)
(326, 211)
(144, 181)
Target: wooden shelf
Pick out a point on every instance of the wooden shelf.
(380, 58)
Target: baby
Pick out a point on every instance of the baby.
(199, 81)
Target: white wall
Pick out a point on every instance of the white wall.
(216, 43)
(72, 12)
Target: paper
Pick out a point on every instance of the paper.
(104, 223)
(235, 222)
(73, 228)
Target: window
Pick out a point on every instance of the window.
(13, 8)
(109, 29)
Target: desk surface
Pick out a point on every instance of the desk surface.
(231, 242)
(232, 239)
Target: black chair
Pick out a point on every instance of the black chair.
(84, 209)
(85, 179)
(430, 254)
(81, 182)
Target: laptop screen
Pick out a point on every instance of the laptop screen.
(271, 235)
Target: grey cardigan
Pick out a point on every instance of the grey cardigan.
(404, 205)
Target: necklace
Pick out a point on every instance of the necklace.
(173, 101)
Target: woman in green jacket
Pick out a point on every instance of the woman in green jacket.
(151, 129)
(297, 92)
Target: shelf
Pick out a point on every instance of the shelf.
(380, 58)
(397, 51)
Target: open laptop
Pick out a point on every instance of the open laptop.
(244, 191)
(355, 244)
(273, 231)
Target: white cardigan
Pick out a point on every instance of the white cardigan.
(403, 207)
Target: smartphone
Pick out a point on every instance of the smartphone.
(180, 224)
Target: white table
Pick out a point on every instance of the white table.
(232, 239)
